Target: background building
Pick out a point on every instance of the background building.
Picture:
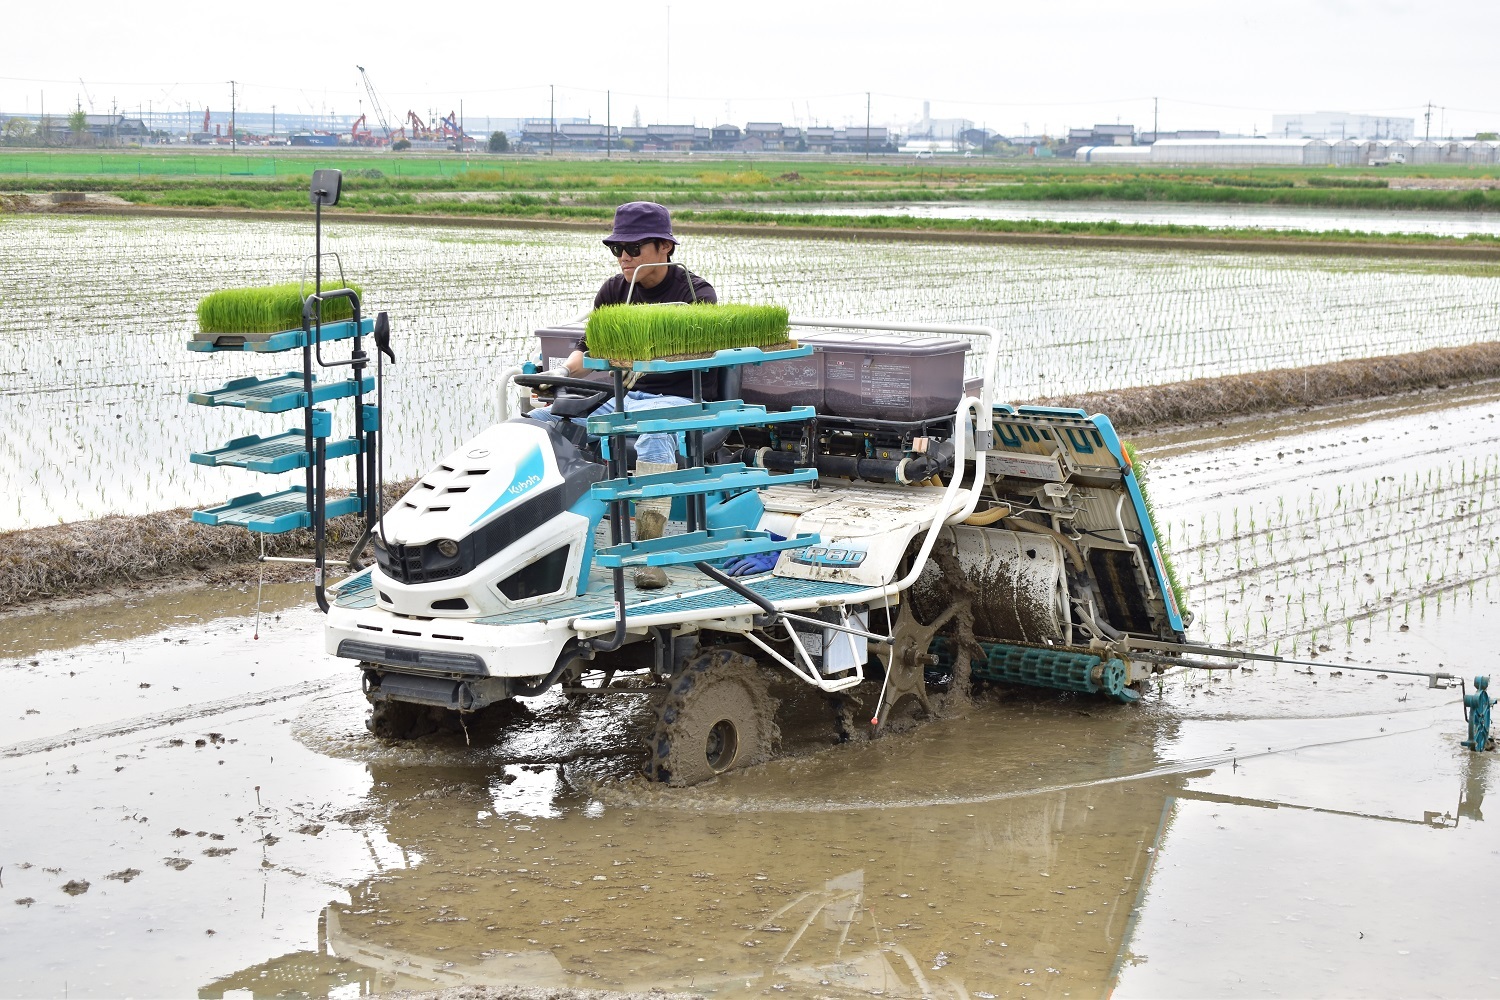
(1335, 125)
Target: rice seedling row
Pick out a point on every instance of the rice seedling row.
(96, 312)
(1383, 539)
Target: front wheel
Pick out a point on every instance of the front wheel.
(718, 717)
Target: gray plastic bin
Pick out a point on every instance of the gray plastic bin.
(869, 375)
(557, 343)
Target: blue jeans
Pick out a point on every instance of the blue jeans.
(659, 448)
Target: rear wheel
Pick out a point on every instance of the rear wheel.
(718, 717)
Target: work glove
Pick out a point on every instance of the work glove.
(560, 371)
(751, 565)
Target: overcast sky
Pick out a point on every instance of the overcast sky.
(1012, 67)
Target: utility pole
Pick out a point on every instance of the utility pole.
(273, 123)
(1427, 125)
(669, 64)
(1155, 117)
(232, 98)
(609, 128)
(552, 128)
(867, 124)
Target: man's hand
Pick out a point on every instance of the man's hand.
(561, 371)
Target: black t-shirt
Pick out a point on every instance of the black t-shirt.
(673, 288)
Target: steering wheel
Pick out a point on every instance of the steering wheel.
(575, 397)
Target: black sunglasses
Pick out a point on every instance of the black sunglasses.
(633, 249)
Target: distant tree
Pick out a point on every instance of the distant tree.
(78, 124)
(18, 130)
(499, 143)
(635, 116)
(1488, 136)
(401, 144)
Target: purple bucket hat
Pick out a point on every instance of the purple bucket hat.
(641, 220)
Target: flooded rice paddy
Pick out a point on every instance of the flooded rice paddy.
(193, 811)
(1274, 217)
(94, 376)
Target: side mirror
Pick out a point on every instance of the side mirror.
(326, 185)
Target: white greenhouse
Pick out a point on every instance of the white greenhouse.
(1113, 154)
(1424, 151)
(1248, 152)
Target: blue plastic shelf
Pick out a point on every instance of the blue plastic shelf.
(274, 514)
(698, 546)
(719, 359)
(277, 453)
(732, 477)
(268, 343)
(695, 417)
(276, 394)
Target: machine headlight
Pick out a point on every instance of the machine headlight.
(447, 547)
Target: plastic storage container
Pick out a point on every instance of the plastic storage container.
(780, 385)
(557, 343)
(866, 375)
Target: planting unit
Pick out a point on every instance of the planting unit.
(851, 545)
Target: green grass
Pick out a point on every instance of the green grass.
(644, 332)
(1166, 557)
(265, 310)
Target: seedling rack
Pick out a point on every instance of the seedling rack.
(310, 446)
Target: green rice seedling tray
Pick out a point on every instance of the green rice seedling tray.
(719, 359)
(270, 343)
(698, 546)
(696, 417)
(702, 479)
(268, 309)
(277, 453)
(665, 330)
(276, 394)
(274, 514)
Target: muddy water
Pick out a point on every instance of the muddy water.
(1264, 832)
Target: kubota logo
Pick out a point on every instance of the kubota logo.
(524, 485)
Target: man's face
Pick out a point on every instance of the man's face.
(652, 252)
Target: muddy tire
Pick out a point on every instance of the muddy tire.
(719, 716)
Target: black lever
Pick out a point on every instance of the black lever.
(383, 336)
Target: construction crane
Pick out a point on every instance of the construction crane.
(375, 103)
(419, 128)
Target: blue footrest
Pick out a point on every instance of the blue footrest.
(697, 546)
(694, 417)
(732, 477)
(277, 453)
(286, 340)
(276, 394)
(719, 359)
(274, 514)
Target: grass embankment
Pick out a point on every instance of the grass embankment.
(1205, 399)
(720, 192)
(92, 556)
(217, 179)
(84, 557)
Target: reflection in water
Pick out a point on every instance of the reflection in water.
(943, 899)
(579, 876)
(1254, 894)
